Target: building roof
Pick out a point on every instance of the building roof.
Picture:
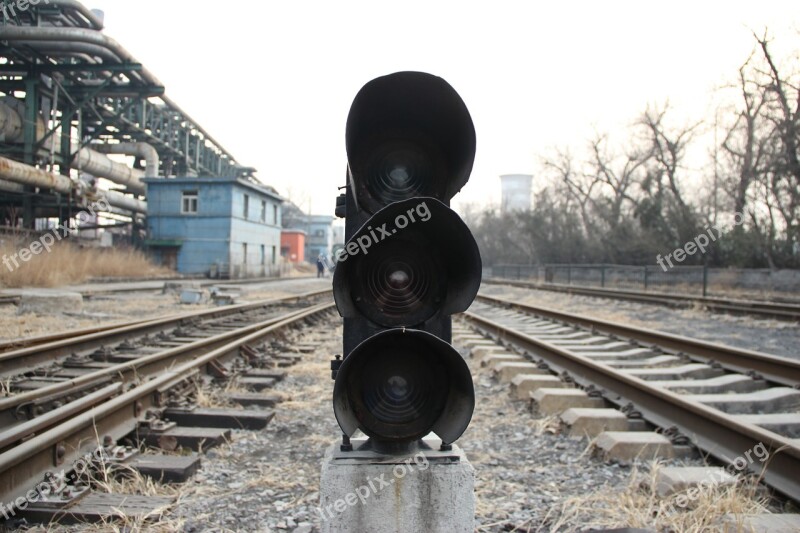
(263, 189)
(320, 219)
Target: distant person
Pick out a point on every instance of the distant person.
(320, 266)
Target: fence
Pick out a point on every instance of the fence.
(694, 280)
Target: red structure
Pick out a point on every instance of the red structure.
(293, 245)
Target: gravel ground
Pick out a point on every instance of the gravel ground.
(106, 309)
(529, 477)
(761, 334)
(526, 472)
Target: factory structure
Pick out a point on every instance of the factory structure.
(85, 127)
(517, 192)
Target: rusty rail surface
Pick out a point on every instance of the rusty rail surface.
(711, 430)
(783, 311)
(773, 368)
(46, 349)
(113, 413)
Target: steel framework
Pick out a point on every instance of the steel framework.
(77, 88)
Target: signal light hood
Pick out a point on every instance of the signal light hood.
(408, 134)
(408, 274)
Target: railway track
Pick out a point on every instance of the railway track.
(721, 400)
(82, 338)
(779, 310)
(75, 399)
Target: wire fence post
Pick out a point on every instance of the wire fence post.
(602, 275)
(705, 281)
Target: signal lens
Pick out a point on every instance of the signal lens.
(400, 171)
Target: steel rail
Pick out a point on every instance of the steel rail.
(780, 370)
(17, 433)
(11, 362)
(23, 466)
(142, 367)
(709, 429)
(783, 311)
(23, 342)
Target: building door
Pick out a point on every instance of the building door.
(169, 258)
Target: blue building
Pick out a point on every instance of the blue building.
(220, 227)
(319, 237)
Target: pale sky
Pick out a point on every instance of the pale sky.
(273, 81)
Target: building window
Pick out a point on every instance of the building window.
(246, 206)
(263, 255)
(263, 211)
(274, 255)
(275, 214)
(244, 253)
(189, 202)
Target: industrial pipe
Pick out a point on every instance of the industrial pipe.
(72, 35)
(128, 203)
(92, 162)
(27, 175)
(11, 126)
(10, 186)
(136, 149)
(101, 166)
(74, 5)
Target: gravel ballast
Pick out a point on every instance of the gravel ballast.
(776, 337)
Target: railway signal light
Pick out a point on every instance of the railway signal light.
(410, 262)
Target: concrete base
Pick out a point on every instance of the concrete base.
(778, 399)
(484, 351)
(508, 371)
(493, 360)
(523, 385)
(49, 302)
(761, 523)
(693, 370)
(718, 385)
(425, 490)
(633, 446)
(674, 479)
(588, 422)
(547, 401)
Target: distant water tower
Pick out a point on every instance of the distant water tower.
(517, 192)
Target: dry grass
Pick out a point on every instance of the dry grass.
(120, 479)
(5, 388)
(639, 506)
(67, 264)
(212, 395)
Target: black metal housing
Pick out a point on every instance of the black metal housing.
(439, 255)
(415, 116)
(409, 263)
(440, 396)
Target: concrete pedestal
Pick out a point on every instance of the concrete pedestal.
(424, 490)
